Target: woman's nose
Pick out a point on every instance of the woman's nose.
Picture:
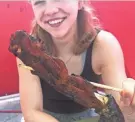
(51, 9)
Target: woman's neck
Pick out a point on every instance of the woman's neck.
(66, 44)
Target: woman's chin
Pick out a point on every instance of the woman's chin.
(59, 35)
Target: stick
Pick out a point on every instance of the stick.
(106, 87)
(94, 84)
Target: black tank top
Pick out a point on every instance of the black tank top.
(56, 102)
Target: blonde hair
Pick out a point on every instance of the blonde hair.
(87, 23)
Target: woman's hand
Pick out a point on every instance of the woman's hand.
(128, 93)
(127, 102)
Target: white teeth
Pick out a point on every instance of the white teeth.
(55, 21)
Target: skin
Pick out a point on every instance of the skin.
(107, 59)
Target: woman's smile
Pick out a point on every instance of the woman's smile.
(56, 22)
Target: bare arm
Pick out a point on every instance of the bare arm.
(112, 62)
(31, 97)
(112, 69)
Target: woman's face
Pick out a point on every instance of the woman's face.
(56, 16)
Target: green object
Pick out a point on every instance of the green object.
(92, 119)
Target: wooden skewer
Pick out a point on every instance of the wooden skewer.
(106, 87)
(95, 84)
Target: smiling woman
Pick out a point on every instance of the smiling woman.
(68, 31)
(91, 60)
(62, 22)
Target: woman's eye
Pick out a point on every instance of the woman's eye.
(39, 2)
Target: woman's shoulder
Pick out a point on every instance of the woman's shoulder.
(106, 39)
(106, 49)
